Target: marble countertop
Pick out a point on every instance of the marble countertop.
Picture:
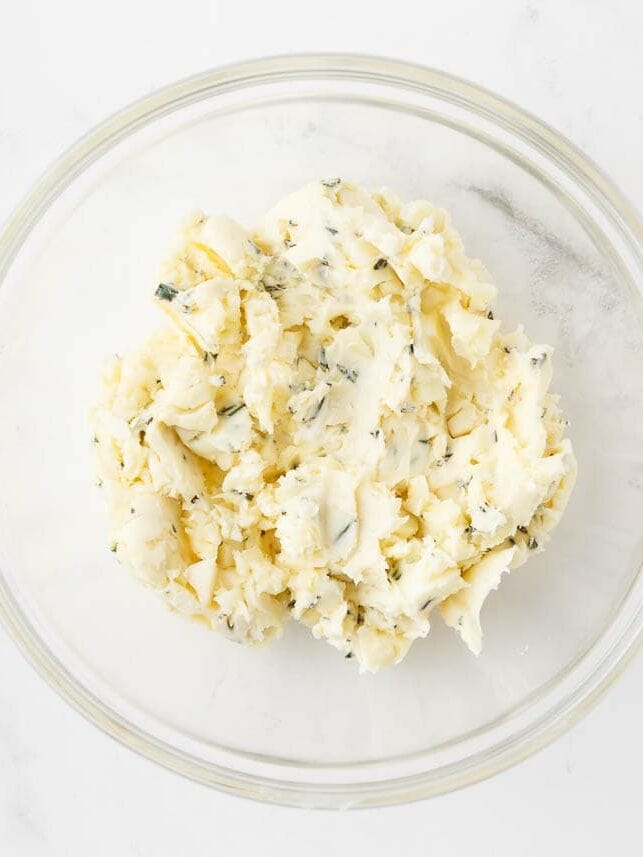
(65, 788)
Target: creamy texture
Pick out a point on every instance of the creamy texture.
(332, 427)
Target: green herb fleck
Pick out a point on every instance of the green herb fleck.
(351, 374)
(165, 292)
(317, 410)
(381, 263)
(490, 315)
(114, 547)
(532, 544)
(323, 360)
(231, 410)
(522, 529)
(349, 655)
(274, 287)
(344, 531)
(332, 230)
(331, 182)
(426, 604)
(194, 499)
(395, 571)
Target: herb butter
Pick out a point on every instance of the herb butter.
(332, 426)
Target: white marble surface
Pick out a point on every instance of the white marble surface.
(66, 789)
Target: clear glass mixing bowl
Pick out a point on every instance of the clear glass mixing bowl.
(295, 723)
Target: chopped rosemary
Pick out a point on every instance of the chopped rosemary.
(331, 182)
(323, 360)
(426, 604)
(532, 544)
(231, 410)
(317, 410)
(165, 292)
(332, 230)
(344, 531)
(424, 440)
(495, 436)
(381, 263)
(173, 529)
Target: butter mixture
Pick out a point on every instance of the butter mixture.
(332, 426)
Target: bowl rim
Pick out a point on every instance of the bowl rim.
(401, 74)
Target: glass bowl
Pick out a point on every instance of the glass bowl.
(295, 723)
